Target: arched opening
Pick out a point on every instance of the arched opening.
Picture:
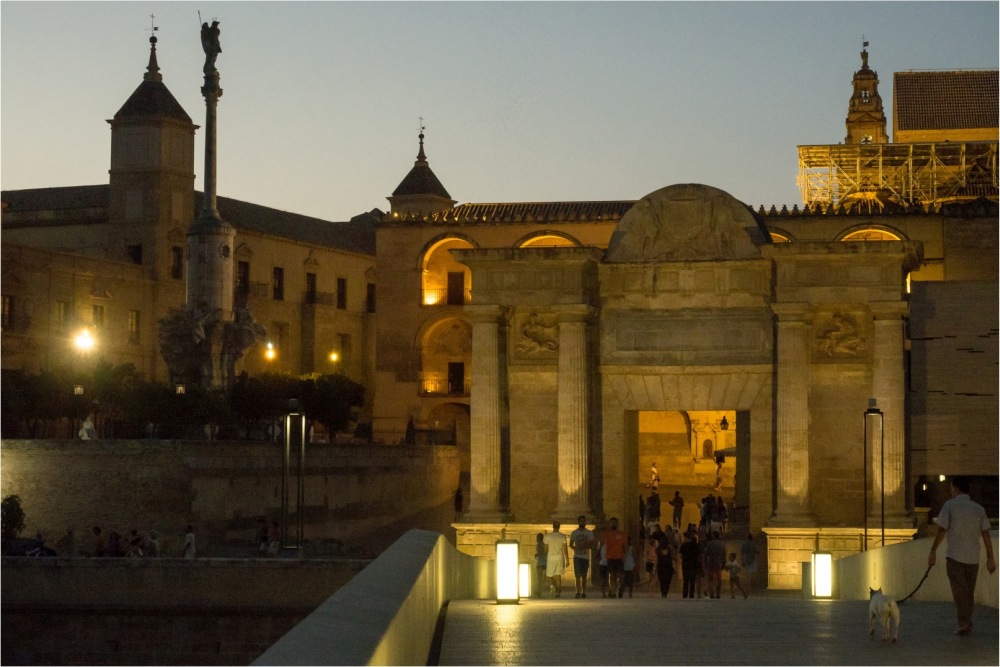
(446, 358)
(777, 237)
(548, 240)
(871, 234)
(444, 281)
(693, 452)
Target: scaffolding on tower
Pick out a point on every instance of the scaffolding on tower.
(857, 176)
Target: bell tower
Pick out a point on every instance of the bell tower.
(865, 116)
(151, 179)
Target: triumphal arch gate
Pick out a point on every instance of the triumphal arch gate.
(690, 313)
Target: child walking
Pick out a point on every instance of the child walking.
(734, 577)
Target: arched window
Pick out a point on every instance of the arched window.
(445, 281)
(446, 358)
(871, 234)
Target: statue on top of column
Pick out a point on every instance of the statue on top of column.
(210, 43)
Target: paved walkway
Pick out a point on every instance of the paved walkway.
(769, 629)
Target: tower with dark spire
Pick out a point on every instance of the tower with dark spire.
(865, 116)
(420, 193)
(151, 180)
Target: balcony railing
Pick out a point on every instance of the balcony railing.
(442, 297)
(435, 385)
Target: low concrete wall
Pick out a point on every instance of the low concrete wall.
(388, 613)
(897, 569)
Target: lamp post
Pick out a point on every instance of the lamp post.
(874, 433)
(295, 438)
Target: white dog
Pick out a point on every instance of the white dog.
(883, 610)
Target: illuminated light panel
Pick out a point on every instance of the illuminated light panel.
(524, 578)
(822, 574)
(508, 563)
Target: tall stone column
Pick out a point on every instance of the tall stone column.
(793, 416)
(573, 414)
(487, 416)
(889, 390)
(210, 238)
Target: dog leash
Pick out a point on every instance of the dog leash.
(918, 585)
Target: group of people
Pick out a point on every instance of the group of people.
(701, 554)
(115, 545)
(268, 538)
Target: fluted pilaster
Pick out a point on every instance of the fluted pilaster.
(889, 389)
(573, 414)
(486, 408)
(793, 416)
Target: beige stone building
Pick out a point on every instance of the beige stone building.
(572, 345)
(567, 347)
(112, 259)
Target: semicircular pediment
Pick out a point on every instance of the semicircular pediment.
(686, 222)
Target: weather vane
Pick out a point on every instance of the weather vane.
(152, 24)
(864, 42)
(421, 119)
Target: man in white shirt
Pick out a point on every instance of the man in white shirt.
(964, 522)
(556, 556)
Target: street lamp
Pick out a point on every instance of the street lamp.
(874, 435)
(84, 341)
(295, 438)
(269, 352)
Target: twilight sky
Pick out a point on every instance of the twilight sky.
(557, 101)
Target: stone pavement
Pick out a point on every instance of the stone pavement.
(772, 628)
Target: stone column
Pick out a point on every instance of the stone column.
(573, 415)
(889, 390)
(793, 416)
(486, 408)
(210, 242)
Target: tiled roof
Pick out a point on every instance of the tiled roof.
(420, 181)
(533, 212)
(152, 99)
(53, 199)
(357, 235)
(955, 100)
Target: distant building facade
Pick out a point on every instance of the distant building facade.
(113, 259)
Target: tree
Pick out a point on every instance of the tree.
(332, 400)
(11, 516)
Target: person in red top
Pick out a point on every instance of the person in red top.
(615, 542)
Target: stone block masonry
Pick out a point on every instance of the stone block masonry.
(220, 487)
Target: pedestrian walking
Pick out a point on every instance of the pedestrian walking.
(748, 553)
(541, 562)
(690, 564)
(678, 504)
(963, 521)
(615, 541)
(733, 568)
(582, 540)
(189, 549)
(556, 556)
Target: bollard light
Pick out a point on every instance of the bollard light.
(822, 574)
(508, 562)
(524, 579)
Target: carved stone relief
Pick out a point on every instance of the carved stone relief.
(838, 336)
(536, 335)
